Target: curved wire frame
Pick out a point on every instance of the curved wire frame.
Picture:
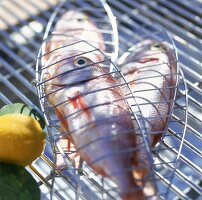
(67, 167)
(82, 181)
(168, 150)
(102, 186)
(99, 13)
(105, 23)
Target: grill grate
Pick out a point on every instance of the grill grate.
(20, 41)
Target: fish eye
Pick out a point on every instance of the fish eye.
(157, 45)
(82, 61)
(79, 19)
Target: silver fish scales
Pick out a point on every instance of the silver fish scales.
(96, 118)
(151, 70)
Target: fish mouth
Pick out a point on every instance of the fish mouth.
(72, 77)
(63, 85)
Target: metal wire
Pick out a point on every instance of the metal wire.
(42, 69)
(47, 108)
(162, 37)
(50, 110)
(135, 18)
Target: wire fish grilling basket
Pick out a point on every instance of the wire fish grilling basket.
(167, 153)
(82, 181)
(82, 175)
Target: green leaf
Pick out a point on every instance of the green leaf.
(16, 183)
(20, 108)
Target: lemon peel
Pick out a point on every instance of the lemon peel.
(21, 139)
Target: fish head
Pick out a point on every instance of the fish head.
(72, 19)
(75, 15)
(71, 70)
(147, 55)
(79, 25)
(149, 50)
(149, 47)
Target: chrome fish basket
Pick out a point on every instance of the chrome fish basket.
(82, 182)
(82, 178)
(167, 153)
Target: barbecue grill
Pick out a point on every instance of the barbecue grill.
(21, 32)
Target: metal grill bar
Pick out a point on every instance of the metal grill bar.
(37, 18)
(173, 7)
(23, 23)
(196, 74)
(8, 37)
(17, 30)
(16, 74)
(195, 9)
(177, 19)
(193, 72)
(181, 18)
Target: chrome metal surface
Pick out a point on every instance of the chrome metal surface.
(47, 58)
(19, 44)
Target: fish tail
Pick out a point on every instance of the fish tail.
(135, 195)
(144, 180)
(138, 188)
(129, 190)
(63, 121)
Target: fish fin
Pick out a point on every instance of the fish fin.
(69, 149)
(61, 117)
(60, 162)
(143, 176)
(64, 142)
